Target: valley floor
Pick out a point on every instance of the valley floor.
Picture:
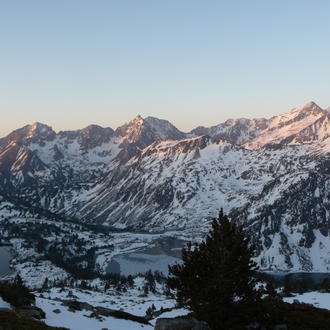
(35, 243)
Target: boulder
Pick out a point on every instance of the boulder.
(180, 323)
(281, 327)
(75, 305)
(30, 312)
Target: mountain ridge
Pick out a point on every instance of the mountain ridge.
(270, 175)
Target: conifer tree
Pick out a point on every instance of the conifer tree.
(216, 279)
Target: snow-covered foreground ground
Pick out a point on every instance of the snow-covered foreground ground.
(317, 299)
(4, 304)
(129, 302)
(79, 320)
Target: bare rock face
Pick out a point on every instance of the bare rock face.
(30, 312)
(143, 132)
(180, 323)
(89, 137)
(36, 133)
(236, 131)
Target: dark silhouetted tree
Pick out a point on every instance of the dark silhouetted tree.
(216, 279)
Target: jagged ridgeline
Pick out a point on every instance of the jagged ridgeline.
(270, 175)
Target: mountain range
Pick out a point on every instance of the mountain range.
(272, 176)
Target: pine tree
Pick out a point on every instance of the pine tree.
(45, 285)
(18, 281)
(216, 279)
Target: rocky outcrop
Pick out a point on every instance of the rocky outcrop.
(11, 321)
(236, 131)
(31, 312)
(96, 311)
(36, 133)
(180, 323)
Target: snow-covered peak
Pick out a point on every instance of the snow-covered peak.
(318, 131)
(310, 111)
(311, 106)
(307, 108)
(236, 131)
(284, 127)
(255, 133)
(36, 133)
(94, 135)
(132, 131)
(163, 129)
(143, 132)
(38, 129)
(138, 120)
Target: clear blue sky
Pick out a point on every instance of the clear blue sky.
(70, 63)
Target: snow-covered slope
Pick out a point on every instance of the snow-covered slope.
(317, 131)
(281, 196)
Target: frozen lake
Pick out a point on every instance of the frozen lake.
(307, 279)
(138, 262)
(164, 252)
(5, 257)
